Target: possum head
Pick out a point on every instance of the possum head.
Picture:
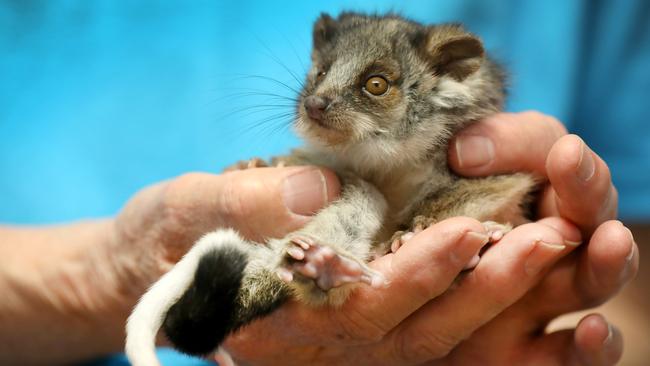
(384, 89)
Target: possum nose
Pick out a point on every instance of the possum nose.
(316, 106)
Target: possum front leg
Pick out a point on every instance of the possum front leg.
(296, 158)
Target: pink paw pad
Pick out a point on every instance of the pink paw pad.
(327, 268)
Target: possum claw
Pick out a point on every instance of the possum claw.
(495, 230)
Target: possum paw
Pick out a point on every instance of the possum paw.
(247, 164)
(495, 230)
(399, 239)
(418, 224)
(323, 265)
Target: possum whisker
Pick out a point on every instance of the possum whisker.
(273, 57)
(275, 81)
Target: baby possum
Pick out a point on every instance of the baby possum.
(379, 105)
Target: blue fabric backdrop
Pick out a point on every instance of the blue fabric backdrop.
(100, 98)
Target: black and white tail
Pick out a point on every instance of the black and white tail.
(197, 303)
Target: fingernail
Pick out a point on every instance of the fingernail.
(627, 268)
(630, 255)
(541, 256)
(586, 165)
(573, 244)
(474, 151)
(305, 192)
(611, 348)
(610, 335)
(468, 246)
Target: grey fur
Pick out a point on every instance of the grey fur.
(389, 150)
(393, 155)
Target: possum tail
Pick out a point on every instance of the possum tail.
(198, 302)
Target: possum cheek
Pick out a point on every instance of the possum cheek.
(390, 108)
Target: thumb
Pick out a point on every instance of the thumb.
(270, 202)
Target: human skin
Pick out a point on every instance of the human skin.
(71, 304)
(503, 317)
(67, 290)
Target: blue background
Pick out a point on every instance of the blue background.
(101, 98)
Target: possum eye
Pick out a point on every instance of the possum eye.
(376, 85)
(320, 74)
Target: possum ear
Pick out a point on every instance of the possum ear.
(452, 51)
(324, 30)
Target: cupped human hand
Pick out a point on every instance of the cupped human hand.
(579, 184)
(497, 313)
(578, 188)
(424, 311)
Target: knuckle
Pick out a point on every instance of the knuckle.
(417, 346)
(556, 128)
(357, 327)
(425, 286)
(185, 181)
(533, 115)
(175, 220)
(175, 196)
(499, 284)
(234, 206)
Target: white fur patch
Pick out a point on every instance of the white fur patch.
(147, 317)
(451, 92)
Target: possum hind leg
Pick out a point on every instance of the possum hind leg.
(324, 266)
(225, 282)
(219, 300)
(324, 261)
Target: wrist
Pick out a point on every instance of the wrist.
(55, 282)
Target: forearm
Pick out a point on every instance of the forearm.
(60, 301)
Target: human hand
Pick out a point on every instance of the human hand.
(160, 223)
(414, 318)
(579, 189)
(80, 281)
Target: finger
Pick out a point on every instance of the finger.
(264, 202)
(422, 269)
(547, 203)
(594, 342)
(582, 183)
(569, 231)
(609, 262)
(597, 342)
(504, 274)
(581, 280)
(504, 143)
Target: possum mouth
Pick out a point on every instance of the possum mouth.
(320, 123)
(323, 124)
(322, 132)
